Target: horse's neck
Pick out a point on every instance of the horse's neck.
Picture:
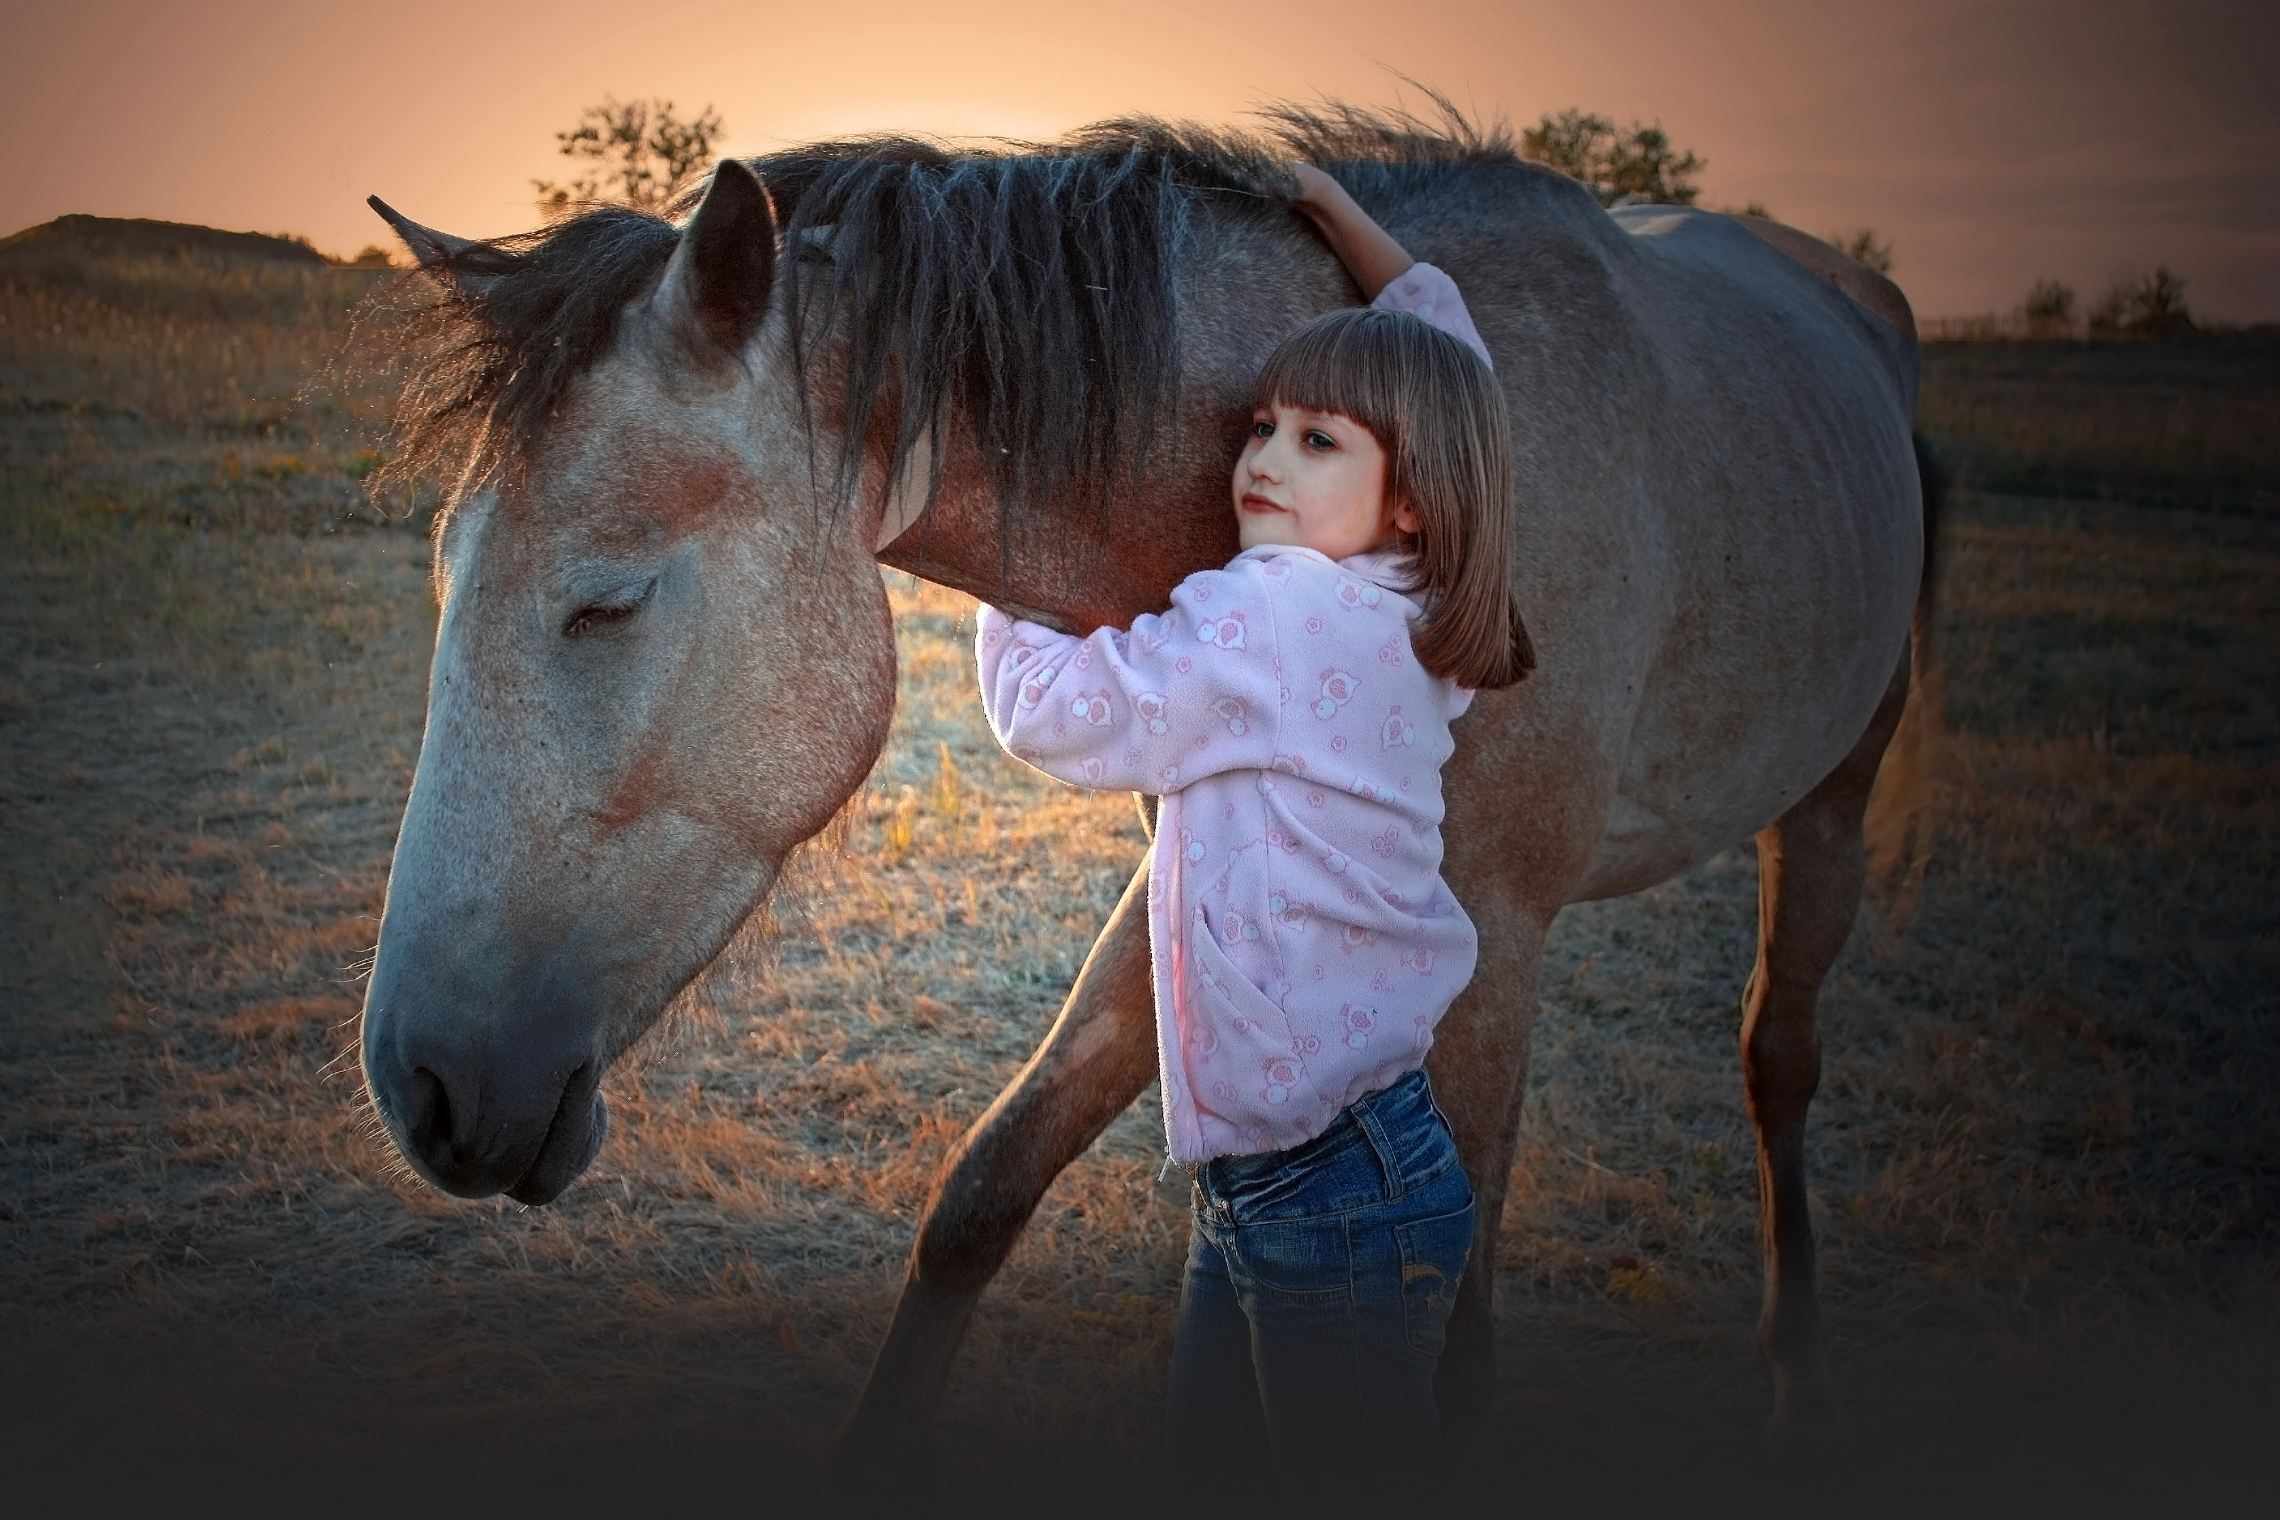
(1242, 287)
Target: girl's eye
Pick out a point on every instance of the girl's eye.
(1262, 429)
(1317, 439)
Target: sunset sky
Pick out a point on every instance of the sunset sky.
(1992, 142)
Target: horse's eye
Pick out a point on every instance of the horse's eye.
(603, 616)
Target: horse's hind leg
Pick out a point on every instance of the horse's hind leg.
(1100, 1054)
(1810, 873)
(1479, 1066)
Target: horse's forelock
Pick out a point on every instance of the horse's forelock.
(495, 346)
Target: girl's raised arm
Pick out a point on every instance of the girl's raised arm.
(1367, 250)
(1389, 277)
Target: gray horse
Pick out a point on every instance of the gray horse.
(665, 656)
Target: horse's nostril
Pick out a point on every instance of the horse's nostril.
(427, 1126)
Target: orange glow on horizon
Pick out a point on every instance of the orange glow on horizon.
(1992, 143)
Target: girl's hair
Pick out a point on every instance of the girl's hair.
(1438, 413)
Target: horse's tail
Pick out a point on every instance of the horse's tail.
(1897, 829)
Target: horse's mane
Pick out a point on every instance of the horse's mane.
(1028, 286)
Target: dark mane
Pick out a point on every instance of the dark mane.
(1028, 287)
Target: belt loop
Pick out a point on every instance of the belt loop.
(1364, 1110)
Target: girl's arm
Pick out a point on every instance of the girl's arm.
(1389, 277)
(1367, 250)
(1182, 695)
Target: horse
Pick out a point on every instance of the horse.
(665, 658)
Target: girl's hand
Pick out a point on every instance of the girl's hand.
(1367, 250)
(1315, 189)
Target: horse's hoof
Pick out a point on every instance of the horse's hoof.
(865, 1476)
(1807, 1418)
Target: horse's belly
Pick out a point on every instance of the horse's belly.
(1730, 737)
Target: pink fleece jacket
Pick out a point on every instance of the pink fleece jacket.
(1303, 943)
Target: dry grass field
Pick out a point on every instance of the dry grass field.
(2046, 1154)
(2153, 424)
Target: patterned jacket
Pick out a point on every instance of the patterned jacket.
(1304, 944)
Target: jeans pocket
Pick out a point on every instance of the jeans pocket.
(1433, 1253)
(1298, 1263)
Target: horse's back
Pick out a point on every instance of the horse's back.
(1707, 262)
(1721, 525)
(1865, 287)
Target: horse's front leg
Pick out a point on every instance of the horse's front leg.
(1810, 875)
(1100, 1053)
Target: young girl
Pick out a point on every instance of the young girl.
(1292, 711)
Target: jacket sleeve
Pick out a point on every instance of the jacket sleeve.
(1180, 695)
(1429, 295)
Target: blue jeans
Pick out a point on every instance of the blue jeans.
(1319, 1285)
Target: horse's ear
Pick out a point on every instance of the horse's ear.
(451, 260)
(717, 285)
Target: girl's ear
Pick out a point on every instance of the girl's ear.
(1405, 518)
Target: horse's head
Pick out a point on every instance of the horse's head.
(664, 661)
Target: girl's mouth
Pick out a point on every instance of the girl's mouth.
(1254, 502)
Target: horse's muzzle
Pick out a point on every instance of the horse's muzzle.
(581, 1124)
(474, 1134)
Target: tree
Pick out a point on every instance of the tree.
(2151, 306)
(1863, 247)
(1630, 166)
(2049, 310)
(638, 153)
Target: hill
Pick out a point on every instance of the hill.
(163, 320)
(78, 238)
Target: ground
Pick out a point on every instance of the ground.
(2046, 1153)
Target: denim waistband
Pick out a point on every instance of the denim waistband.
(1384, 1145)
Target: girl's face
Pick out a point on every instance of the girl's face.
(1315, 480)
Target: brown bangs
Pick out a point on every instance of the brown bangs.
(1438, 413)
